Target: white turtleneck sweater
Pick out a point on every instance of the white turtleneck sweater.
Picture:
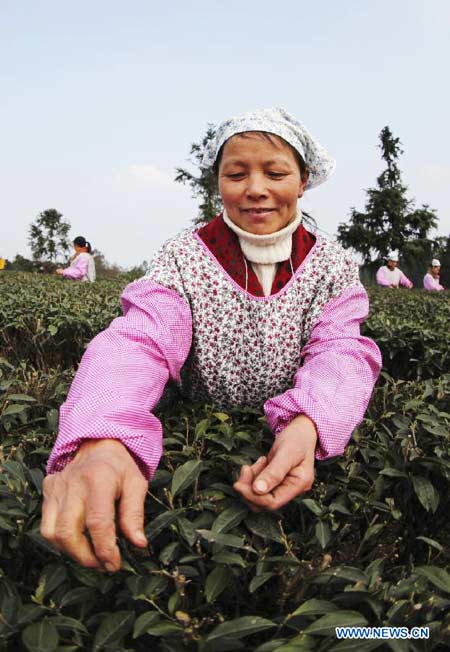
(265, 251)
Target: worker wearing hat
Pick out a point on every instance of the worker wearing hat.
(431, 279)
(390, 275)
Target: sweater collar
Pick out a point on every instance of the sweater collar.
(266, 249)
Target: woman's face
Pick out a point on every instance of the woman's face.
(435, 269)
(259, 182)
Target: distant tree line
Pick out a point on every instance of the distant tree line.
(389, 222)
(51, 247)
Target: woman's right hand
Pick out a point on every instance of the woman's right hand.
(79, 509)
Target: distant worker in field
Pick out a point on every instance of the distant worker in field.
(390, 275)
(431, 279)
(2, 264)
(82, 264)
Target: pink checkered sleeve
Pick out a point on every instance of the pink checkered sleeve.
(428, 283)
(432, 284)
(78, 270)
(404, 280)
(334, 384)
(122, 376)
(381, 278)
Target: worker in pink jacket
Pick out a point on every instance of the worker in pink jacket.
(390, 275)
(431, 279)
(249, 310)
(82, 264)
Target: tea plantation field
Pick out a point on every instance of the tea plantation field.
(368, 545)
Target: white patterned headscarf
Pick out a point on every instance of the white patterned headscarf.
(276, 121)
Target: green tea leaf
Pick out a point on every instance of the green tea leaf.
(40, 637)
(228, 558)
(431, 542)
(265, 526)
(21, 397)
(348, 573)
(240, 627)
(326, 625)
(185, 475)
(165, 629)
(314, 607)
(300, 643)
(216, 582)
(259, 580)
(147, 587)
(229, 518)
(67, 623)
(113, 628)
(323, 533)
(222, 539)
(270, 646)
(437, 576)
(144, 622)
(169, 553)
(357, 646)
(13, 409)
(187, 530)
(393, 473)
(173, 602)
(426, 493)
(77, 596)
(52, 576)
(28, 613)
(312, 505)
(161, 522)
(37, 477)
(221, 416)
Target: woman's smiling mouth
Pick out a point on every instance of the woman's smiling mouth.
(257, 212)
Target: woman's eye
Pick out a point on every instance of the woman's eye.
(276, 175)
(236, 175)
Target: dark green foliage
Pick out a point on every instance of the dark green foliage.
(367, 545)
(411, 327)
(49, 236)
(22, 264)
(390, 220)
(204, 186)
(48, 321)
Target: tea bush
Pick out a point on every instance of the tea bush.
(49, 321)
(368, 545)
(411, 327)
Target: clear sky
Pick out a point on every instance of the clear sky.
(101, 100)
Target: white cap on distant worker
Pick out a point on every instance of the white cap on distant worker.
(393, 255)
(435, 263)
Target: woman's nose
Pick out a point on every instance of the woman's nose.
(256, 185)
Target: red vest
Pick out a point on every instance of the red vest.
(223, 243)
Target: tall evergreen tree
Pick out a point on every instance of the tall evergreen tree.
(390, 220)
(203, 185)
(48, 237)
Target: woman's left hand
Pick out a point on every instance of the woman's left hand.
(59, 271)
(286, 472)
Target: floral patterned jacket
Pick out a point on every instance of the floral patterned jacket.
(200, 318)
